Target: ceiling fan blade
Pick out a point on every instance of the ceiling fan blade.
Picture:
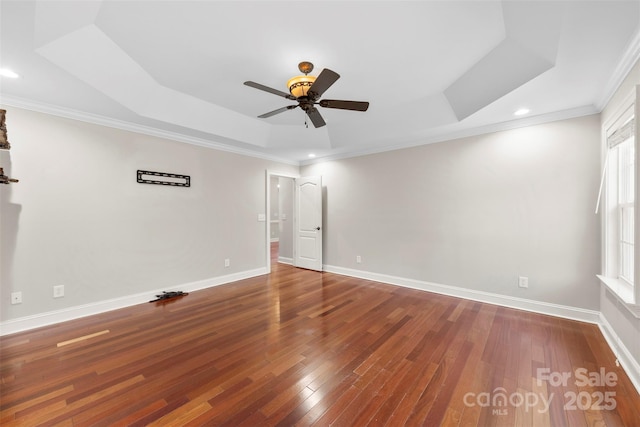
(278, 111)
(315, 117)
(344, 105)
(324, 80)
(270, 90)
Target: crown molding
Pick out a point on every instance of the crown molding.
(629, 58)
(132, 127)
(442, 136)
(464, 133)
(435, 137)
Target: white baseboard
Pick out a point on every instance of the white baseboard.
(622, 353)
(285, 260)
(567, 312)
(628, 363)
(49, 318)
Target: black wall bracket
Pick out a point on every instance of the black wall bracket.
(162, 178)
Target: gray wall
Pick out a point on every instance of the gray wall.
(475, 213)
(79, 218)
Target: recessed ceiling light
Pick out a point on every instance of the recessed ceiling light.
(311, 155)
(521, 112)
(5, 72)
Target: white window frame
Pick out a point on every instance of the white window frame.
(623, 266)
(612, 211)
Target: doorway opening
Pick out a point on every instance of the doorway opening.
(280, 215)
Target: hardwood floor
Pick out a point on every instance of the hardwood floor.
(304, 348)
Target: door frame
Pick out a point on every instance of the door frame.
(271, 174)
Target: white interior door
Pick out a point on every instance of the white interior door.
(308, 226)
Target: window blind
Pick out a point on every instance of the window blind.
(621, 134)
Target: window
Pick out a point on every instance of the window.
(619, 205)
(624, 156)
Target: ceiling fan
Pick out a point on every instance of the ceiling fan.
(307, 90)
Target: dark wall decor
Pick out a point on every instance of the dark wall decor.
(162, 178)
(4, 142)
(4, 179)
(4, 145)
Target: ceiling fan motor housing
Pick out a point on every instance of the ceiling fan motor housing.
(306, 103)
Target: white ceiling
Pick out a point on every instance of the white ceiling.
(431, 70)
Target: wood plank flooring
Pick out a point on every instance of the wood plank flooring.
(298, 347)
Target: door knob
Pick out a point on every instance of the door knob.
(317, 228)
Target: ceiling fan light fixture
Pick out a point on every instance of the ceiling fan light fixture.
(299, 85)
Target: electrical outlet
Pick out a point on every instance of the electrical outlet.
(358, 259)
(523, 282)
(16, 297)
(227, 262)
(58, 291)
